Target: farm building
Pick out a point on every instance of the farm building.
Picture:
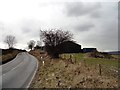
(89, 50)
(39, 47)
(69, 47)
(65, 47)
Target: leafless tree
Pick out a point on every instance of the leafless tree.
(39, 43)
(10, 40)
(31, 44)
(52, 40)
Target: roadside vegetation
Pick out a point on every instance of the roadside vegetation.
(75, 71)
(8, 54)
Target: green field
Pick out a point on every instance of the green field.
(82, 57)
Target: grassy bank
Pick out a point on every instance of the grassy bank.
(78, 72)
(8, 55)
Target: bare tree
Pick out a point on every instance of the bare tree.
(10, 40)
(52, 40)
(39, 43)
(31, 44)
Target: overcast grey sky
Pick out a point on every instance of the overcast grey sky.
(94, 23)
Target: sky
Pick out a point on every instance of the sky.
(93, 23)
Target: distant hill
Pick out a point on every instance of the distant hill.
(114, 52)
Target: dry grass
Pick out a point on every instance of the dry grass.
(63, 73)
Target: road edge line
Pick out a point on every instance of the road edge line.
(33, 74)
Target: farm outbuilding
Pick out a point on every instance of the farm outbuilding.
(89, 50)
(69, 47)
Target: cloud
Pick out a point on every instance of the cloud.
(30, 29)
(96, 14)
(104, 37)
(92, 23)
(84, 27)
(77, 9)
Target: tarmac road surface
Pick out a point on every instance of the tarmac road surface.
(19, 72)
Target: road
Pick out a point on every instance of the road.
(19, 72)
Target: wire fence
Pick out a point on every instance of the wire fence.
(102, 69)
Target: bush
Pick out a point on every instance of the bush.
(99, 55)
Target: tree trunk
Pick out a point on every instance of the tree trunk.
(54, 55)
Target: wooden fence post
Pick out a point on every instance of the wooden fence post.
(70, 57)
(100, 70)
